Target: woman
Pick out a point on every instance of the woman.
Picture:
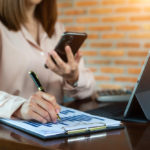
(28, 33)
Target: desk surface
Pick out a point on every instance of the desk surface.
(134, 136)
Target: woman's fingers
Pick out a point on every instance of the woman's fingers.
(49, 98)
(40, 111)
(50, 64)
(69, 71)
(48, 107)
(78, 56)
(60, 63)
(52, 100)
(37, 117)
(69, 55)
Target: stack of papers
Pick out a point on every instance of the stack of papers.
(72, 122)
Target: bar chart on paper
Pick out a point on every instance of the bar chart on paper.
(72, 122)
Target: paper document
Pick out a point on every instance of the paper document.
(72, 121)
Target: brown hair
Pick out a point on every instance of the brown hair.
(12, 14)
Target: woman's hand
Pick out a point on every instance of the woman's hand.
(41, 107)
(69, 71)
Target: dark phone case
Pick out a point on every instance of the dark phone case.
(73, 39)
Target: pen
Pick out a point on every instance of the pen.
(38, 84)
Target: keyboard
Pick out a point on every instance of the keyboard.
(115, 111)
(113, 95)
(110, 110)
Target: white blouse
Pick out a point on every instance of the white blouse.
(19, 54)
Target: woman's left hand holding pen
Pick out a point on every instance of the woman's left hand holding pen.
(41, 107)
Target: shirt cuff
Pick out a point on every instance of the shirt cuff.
(10, 105)
(79, 83)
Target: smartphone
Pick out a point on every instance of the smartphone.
(73, 39)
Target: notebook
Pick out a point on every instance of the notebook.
(73, 122)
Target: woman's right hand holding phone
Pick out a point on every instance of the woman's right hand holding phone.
(70, 70)
(41, 107)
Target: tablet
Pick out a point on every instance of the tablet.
(139, 102)
(137, 107)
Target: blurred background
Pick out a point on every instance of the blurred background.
(118, 37)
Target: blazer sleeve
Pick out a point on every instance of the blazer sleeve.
(9, 104)
(85, 86)
(0, 45)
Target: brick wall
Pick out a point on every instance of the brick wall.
(118, 37)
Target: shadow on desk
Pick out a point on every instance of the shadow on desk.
(138, 135)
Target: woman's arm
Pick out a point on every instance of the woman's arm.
(84, 87)
(73, 71)
(9, 104)
(0, 45)
(78, 80)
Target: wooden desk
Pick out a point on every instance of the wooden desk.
(134, 136)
